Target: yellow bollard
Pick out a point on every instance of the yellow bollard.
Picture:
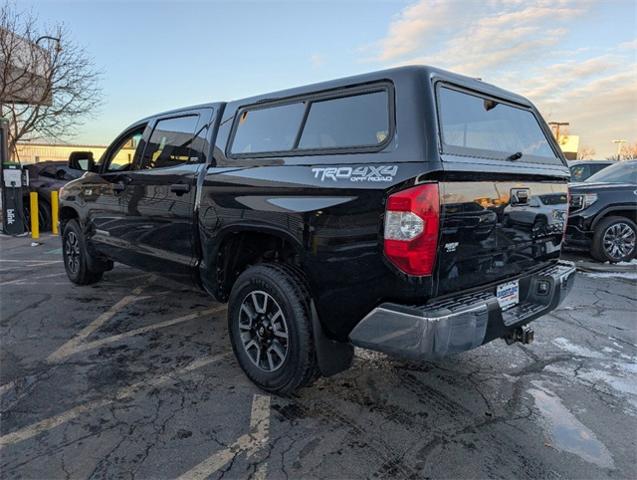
(54, 212)
(35, 219)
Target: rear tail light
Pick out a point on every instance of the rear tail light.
(412, 221)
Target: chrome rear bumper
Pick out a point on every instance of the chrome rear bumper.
(463, 322)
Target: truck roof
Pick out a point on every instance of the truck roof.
(397, 74)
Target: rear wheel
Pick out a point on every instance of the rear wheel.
(614, 240)
(76, 255)
(270, 328)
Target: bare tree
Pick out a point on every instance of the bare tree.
(585, 153)
(628, 151)
(48, 84)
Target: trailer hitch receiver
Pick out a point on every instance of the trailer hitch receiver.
(523, 334)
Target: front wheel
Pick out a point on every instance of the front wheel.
(614, 240)
(270, 328)
(76, 255)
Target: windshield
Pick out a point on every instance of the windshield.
(481, 126)
(621, 172)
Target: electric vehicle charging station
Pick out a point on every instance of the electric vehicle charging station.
(13, 180)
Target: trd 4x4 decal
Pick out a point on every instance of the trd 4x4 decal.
(381, 173)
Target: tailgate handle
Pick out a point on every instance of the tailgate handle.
(520, 196)
(180, 188)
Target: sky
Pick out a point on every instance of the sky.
(575, 59)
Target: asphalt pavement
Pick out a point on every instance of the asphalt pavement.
(134, 378)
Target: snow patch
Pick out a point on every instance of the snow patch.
(578, 350)
(626, 275)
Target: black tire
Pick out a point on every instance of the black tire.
(76, 255)
(282, 289)
(44, 216)
(614, 240)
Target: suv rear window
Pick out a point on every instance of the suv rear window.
(356, 121)
(482, 126)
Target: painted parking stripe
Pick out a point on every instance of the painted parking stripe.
(139, 331)
(21, 281)
(249, 443)
(126, 392)
(31, 262)
(69, 347)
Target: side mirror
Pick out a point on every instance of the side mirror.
(82, 161)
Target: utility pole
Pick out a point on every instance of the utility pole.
(619, 144)
(557, 126)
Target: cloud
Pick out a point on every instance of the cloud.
(463, 34)
(600, 110)
(631, 45)
(517, 44)
(413, 26)
(317, 60)
(549, 82)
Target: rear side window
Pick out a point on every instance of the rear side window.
(324, 123)
(360, 120)
(170, 144)
(481, 126)
(271, 129)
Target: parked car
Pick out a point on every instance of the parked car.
(582, 169)
(334, 215)
(46, 177)
(603, 214)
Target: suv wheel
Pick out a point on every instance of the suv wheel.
(76, 255)
(270, 328)
(614, 240)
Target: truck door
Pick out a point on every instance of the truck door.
(102, 193)
(160, 195)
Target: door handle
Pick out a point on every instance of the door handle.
(119, 187)
(180, 188)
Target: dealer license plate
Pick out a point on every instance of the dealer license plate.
(508, 294)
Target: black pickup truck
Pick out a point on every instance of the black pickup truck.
(411, 211)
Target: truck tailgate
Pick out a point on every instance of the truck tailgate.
(494, 230)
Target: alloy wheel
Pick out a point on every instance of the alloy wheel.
(619, 241)
(72, 252)
(263, 330)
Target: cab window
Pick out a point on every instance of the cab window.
(171, 143)
(122, 157)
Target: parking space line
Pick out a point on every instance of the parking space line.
(21, 281)
(6, 260)
(126, 392)
(30, 263)
(139, 331)
(69, 347)
(249, 443)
